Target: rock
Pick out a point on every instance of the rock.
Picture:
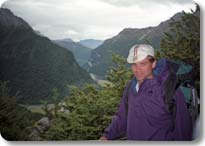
(39, 128)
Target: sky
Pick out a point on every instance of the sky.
(94, 19)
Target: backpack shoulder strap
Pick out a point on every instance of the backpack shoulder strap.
(170, 86)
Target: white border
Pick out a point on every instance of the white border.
(200, 142)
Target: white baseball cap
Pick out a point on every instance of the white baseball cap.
(139, 52)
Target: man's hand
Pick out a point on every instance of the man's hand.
(103, 138)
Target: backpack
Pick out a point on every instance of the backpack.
(179, 79)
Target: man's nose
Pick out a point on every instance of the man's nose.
(137, 67)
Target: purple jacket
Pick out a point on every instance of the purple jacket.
(147, 117)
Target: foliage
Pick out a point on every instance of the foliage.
(182, 42)
(14, 119)
(119, 75)
(52, 111)
(88, 111)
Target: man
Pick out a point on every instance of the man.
(143, 114)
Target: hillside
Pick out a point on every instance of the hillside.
(100, 60)
(32, 64)
(80, 52)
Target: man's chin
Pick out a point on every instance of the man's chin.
(140, 81)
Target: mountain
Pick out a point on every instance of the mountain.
(33, 64)
(101, 57)
(91, 43)
(9, 21)
(80, 52)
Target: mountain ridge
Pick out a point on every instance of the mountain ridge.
(34, 65)
(100, 60)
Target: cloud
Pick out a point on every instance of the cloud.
(127, 3)
(97, 19)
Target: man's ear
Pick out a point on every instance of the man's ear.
(154, 64)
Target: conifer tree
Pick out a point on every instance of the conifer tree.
(182, 42)
(89, 110)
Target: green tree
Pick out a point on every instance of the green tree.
(89, 110)
(14, 119)
(182, 42)
(120, 74)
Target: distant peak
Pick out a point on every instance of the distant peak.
(64, 40)
(91, 43)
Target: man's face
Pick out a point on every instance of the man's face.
(143, 69)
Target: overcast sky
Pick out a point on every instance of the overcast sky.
(96, 19)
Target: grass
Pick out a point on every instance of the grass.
(37, 108)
